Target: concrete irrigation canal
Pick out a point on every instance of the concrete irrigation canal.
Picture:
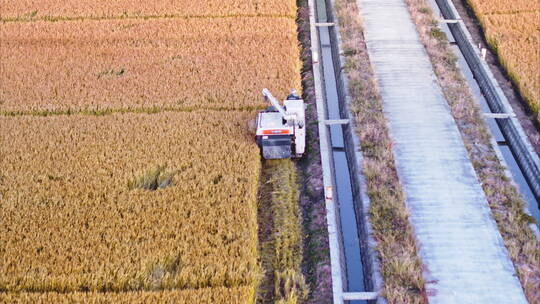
(354, 272)
(349, 278)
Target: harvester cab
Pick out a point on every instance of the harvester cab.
(281, 130)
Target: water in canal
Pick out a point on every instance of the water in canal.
(347, 211)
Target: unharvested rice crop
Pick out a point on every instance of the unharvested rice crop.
(74, 219)
(512, 28)
(52, 9)
(517, 41)
(73, 66)
(503, 6)
(236, 295)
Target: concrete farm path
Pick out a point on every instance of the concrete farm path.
(460, 245)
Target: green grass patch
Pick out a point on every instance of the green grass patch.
(153, 179)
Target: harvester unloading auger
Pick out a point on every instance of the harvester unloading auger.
(281, 131)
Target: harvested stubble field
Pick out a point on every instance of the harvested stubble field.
(73, 218)
(512, 29)
(66, 9)
(280, 240)
(236, 295)
(185, 64)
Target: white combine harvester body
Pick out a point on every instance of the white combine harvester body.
(281, 131)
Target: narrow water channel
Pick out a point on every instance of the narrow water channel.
(347, 212)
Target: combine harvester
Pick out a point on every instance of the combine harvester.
(281, 131)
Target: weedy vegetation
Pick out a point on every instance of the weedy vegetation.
(156, 178)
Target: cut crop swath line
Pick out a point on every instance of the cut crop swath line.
(133, 17)
(105, 291)
(280, 234)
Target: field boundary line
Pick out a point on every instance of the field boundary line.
(134, 17)
(99, 291)
(104, 112)
(496, 13)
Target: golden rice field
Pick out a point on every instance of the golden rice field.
(70, 221)
(134, 207)
(236, 295)
(219, 63)
(512, 28)
(29, 9)
(503, 6)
